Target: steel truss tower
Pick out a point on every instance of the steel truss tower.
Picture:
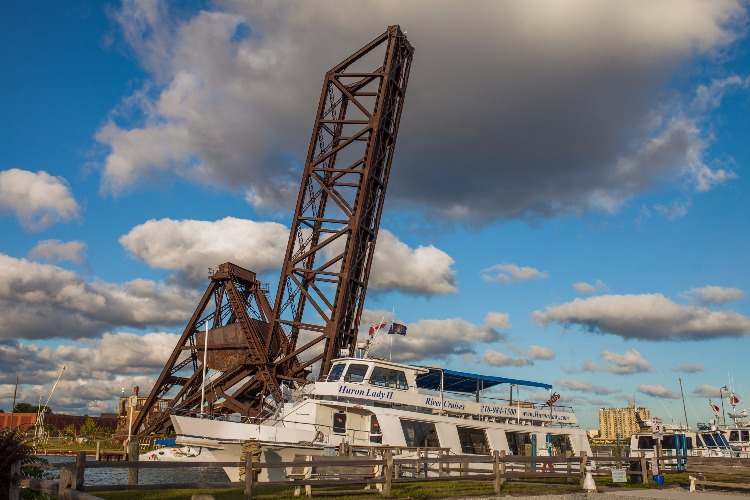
(258, 347)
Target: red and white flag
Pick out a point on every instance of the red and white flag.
(734, 399)
(374, 328)
(555, 396)
(713, 406)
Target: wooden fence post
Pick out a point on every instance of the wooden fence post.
(15, 470)
(133, 449)
(80, 470)
(502, 467)
(496, 469)
(388, 474)
(644, 470)
(583, 467)
(248, 493)
(98, 450)
(67, 478)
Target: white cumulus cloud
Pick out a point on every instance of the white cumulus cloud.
(496, 358)
(714, 295)
(646, 316)
(511, 273)
(422, 270)
(37, 199)
(658, 391)
(428, 339)
(627, 363)
(229, 91)
(192, 246)
(59, 251)
(45, 301)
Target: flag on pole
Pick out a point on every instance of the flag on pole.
(552, 399)
(375, 328)
(397, 328)
(713, 406)
(734, 399)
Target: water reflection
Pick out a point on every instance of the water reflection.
(177, 474)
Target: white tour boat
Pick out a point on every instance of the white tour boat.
(366, 402)
(707, 441)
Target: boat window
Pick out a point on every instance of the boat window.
(355, 373)
(709, 440)
(473, 441)
(560, 444)
(734, 435)
(667, 442)
(388, 378)
(690, 443)
(376, 435)
(699, 441)
(339, 423)
(336, 372)
(645, 442)
(420, 433)
(745, 435)
(721, 440)
(519, 443)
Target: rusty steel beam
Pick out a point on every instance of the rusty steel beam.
(329, 254)
(237, 310)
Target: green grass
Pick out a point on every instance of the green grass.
(414, 491)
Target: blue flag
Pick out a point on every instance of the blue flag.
(397, 328)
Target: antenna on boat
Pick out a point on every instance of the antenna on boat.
(683, 403)
(668, 412)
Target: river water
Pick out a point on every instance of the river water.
(107, 476)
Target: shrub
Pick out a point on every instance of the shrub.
(15, 447)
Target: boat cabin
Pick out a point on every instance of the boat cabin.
(371, 401)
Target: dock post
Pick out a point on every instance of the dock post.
(133, 457)
(644, 470)
(248, 493)
(98, 451)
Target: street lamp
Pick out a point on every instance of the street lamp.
(721, 395)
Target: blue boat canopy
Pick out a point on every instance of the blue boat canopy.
(467, 382)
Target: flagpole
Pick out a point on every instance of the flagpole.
(393, 318)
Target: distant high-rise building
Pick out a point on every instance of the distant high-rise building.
(622, 421)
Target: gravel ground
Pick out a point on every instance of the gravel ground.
(585, 496)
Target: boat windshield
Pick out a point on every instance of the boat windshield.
(335, 372)
(709, 440)
(356, 373)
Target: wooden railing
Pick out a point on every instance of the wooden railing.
(387, 471)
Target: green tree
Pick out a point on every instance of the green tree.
(29, 408)
(89, 427)
(70, 430)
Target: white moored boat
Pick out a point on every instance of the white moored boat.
(372, 402)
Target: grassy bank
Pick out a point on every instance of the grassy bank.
(416, 491)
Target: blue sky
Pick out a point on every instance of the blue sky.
(568, 200)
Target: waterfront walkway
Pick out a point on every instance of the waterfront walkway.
(679, 494)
